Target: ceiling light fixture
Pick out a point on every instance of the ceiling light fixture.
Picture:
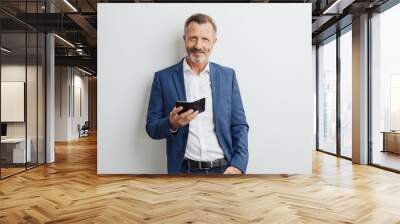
(84, 71)
(329, 9)
(70, 5)
(337, 7)
(5, 50)
(65, 41)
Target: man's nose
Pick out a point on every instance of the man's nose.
(198, 45)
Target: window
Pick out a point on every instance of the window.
(327, 96)
(346, 93)
(385, 89)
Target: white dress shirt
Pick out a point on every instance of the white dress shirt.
(202, 144)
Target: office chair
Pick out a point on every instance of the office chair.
(84, 130)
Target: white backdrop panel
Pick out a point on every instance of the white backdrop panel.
(269, 46)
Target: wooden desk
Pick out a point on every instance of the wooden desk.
(391, 141)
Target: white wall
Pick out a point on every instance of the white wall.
(80, 84)
(314, 73)
(269, 46)
(61, 103)
(68, 81)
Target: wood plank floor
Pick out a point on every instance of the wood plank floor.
(387, 159)
(5, 172)
(70, 191)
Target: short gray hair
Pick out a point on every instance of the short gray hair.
(201, 18)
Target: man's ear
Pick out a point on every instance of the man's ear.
(183, 36)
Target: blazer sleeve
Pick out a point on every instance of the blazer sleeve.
(157, 123)
(239, 129)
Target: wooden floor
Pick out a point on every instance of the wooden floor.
(5, 172)
(386, 159)
(70, 191)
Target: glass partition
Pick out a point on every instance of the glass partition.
(13, 110)
(22, 77)
(32, 95)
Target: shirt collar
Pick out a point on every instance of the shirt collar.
(186, 67)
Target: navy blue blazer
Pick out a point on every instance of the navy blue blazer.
(230, 122)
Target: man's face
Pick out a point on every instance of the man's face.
(199, 41)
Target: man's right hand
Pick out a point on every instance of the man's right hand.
(179, 120)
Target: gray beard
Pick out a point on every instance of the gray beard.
(197, 60)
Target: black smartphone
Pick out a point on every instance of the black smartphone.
(199, 105)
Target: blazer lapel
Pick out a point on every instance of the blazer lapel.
(215, 87)
(179, 81)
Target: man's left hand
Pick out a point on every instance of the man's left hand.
(232, 170)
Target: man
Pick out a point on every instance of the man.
(214, 141)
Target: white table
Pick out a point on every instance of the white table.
(19, 155)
